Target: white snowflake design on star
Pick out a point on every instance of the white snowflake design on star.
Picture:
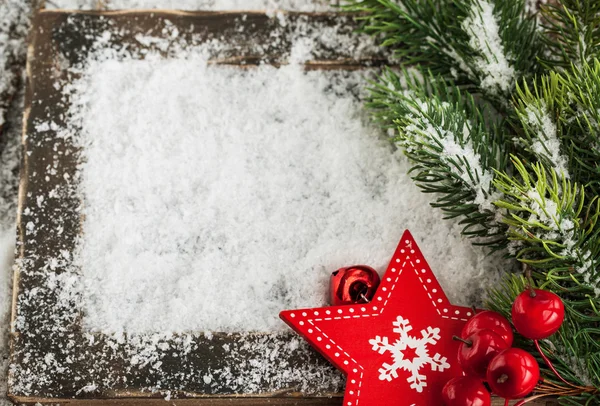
(419, 346)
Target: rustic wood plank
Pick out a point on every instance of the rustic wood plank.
(222, 402)
(45, 326)
(53, 358)
(337, 401)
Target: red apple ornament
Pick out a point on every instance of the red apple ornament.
(352, 285)
(478, 349)
(489, 320)
(465, 391)
(537, 313)
(513, 373)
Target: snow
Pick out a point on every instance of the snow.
(470, 163)
(459, 59)
(491, 62)
(7, 247)
(269, 5)
(230, 183)
(533, 6)
(9, 165)
(545, 143)
(358, 201)
(13, 28)
(576, 364)
(556, 223)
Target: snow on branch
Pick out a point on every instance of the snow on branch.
(578, 108)
(571, 29)
(437, 129)
(454, 151)
(491, 62)
(543, 141)
(546, 223)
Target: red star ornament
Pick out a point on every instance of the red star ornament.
(398, 349)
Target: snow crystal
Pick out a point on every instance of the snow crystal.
(484, 38)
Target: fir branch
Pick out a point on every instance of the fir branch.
(572, 32)
(548, 226)
(454, 153)
(482, 44)
(559, 123)
(579, 113)
(547, 212)
(538, 107)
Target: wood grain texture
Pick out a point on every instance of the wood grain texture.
(46, 323)
(246, 401)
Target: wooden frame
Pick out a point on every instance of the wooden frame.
(53, 359)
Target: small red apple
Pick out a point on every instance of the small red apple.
(489, 320)
(537, 313)
(477, 350)
(513, 373)
(466, 391)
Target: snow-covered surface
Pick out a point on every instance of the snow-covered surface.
(557, 224)
(232, 194)
(291, 5)
(14, 15)
(9, 165)
(456, 144)
(235, 192)
(310, 241)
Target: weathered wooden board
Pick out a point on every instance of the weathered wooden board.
(53, 359)
(337, 401)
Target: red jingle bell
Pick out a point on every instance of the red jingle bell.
(354, 284)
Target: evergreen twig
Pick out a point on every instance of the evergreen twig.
(488, 81)
(572, 32)
(483, 45)
(453, 149)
